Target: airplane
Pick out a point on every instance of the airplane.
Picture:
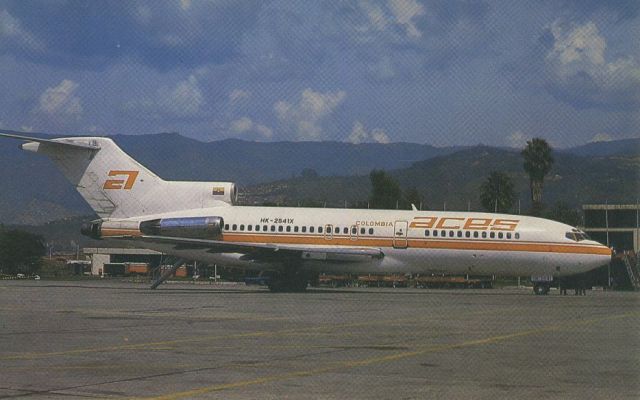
(201, 221)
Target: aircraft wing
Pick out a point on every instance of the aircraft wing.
(273, 251)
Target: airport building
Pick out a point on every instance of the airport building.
(104, 260)
(616, 225)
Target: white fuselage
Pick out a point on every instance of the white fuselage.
(419, 242)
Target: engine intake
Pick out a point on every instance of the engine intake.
(187, 227)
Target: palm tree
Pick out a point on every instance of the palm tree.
(537, 163)
(497, 193)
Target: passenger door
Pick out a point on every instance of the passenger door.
(400, 234)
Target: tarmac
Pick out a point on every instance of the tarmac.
(108, 339)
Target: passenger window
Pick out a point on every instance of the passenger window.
(354, 230)
(517, 235)
(500, 235)
(443, 233)
(280, 228)
(304, 229)
(288, 229)
(467, 234)
(226, 227)
(242, 227)
(249, 227)
(295, 229)
(435, 233)
(459, 233)
(345, 231)
(273, 228)
(484, 235)
(264, 228)
(235, 227)
(257, 228)
(475, 234)
(370, 231)
(508, 235)
(311, 229)
(336, 230)
(426, 232)
(363, 231)
(492, 235)
(450, 233)
(319, 229)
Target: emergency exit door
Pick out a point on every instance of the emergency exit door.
(400, 234)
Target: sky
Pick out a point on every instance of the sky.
(450, 72)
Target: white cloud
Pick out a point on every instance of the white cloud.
(375, 15)
(61, 99)
(143, 14)
(601, 137)
(580, 69)
(185, 4)
(379, 136)
(404, 11)
(581, 44)
(237, 95)
(11, 28)
(359, 134)
(304, 118)
(245, 124)
(184, 100)
(517, 140)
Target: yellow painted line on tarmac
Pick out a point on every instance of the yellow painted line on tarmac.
(150, 345)
(420, 350)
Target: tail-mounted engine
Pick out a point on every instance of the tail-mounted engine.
(189, 227)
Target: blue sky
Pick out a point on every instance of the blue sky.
(440, 72)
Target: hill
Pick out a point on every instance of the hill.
(455, 179)
(34, 192)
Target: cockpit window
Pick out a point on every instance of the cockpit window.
(577, 236)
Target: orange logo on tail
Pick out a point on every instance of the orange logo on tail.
(121, 183)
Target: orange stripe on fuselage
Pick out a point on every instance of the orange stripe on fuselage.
(453, 244)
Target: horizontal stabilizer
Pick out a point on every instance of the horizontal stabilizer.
(56, 142)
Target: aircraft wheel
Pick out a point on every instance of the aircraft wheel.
(289, 283)
(541, 289)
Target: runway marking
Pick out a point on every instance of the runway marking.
(149, 345)
(420, 350)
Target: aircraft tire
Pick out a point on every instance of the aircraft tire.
(541, 289)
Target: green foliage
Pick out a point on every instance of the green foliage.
(497, 193)
(561, 212)
(20, 252)
(309, 173)
(412, 196)
(385, 191)
(537, 164)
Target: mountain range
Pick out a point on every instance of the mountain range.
(35, 192)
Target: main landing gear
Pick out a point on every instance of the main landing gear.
(541, 289)
(290, 280)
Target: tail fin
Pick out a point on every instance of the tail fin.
(117, 186)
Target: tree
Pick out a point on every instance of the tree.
(385, 191)
(20, 251)
(561, 212)
(537, 164)
(309, 173)
(497, 193)
(412, 196)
